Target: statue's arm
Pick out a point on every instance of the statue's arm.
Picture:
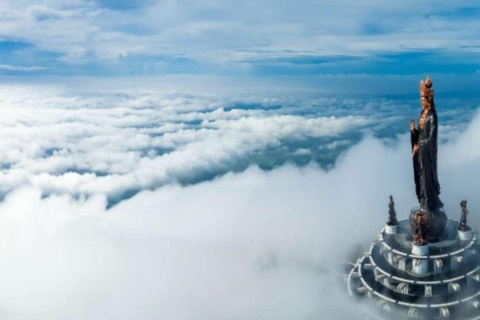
(431, 133)
(414, 136)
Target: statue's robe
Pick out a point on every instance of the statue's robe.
(427, 186)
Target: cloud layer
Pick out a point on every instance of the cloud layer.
(262, 37)
(198, 229)
(120, 143)
(251, 245)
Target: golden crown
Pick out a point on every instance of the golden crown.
(425, 89)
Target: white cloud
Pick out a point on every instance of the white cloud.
(118, 141)
(20, 68)
(302, 152)
(238, 246)
(225, 31)
(335, 144)
(250, 245)
(113, 143)
(223, 249)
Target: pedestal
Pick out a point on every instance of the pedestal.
(465, 235)
(391, 229)
(435, 223)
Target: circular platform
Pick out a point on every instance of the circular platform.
(450, 245)
(402, 240)
(447, 285)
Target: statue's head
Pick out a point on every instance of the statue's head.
(426, 93)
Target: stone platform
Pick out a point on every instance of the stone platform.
(391, 282)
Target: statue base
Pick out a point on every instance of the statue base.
(435, 223)
(465, 235)
(391, 229)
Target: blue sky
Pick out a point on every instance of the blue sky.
(261, 38)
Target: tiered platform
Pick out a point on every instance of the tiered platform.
(391, 282)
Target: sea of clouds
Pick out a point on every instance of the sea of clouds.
(117, 143)
(189, 205)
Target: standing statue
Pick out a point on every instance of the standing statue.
(463, 221)
(424, 154)
(392, 215)
(424, 151)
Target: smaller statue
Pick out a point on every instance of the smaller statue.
(392, 215)
(463, 221)
(419, 228)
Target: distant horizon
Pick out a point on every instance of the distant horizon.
(448, 86)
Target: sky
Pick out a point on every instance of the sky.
(251, 38)
(214, 159)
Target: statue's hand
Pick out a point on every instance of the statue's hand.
(415, 150)
(412, 125)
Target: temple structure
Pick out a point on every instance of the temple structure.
(398, 279)
(426, 266)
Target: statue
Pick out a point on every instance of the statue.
(424, 151)
(392, 215)
(424, 154)
(463, 221)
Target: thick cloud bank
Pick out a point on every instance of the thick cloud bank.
(250, 245)
(113, 143)
(118, 143)
(198, 229)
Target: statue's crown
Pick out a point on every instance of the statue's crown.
(426, 89)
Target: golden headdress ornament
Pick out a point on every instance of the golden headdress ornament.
(426, 89)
